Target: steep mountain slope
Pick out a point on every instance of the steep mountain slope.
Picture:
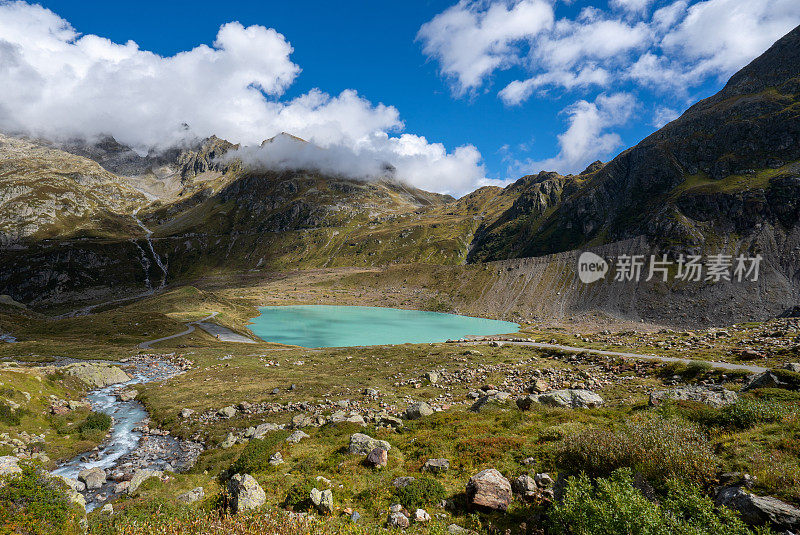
(46, 193)
(729, 165)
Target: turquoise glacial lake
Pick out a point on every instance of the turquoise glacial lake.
(315, 326)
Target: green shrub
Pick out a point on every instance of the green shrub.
(96, 421)
(748, 412)
(34, 504)
(255, 455)
(9, 416)
(298, 497)
(614, 505)
(658, 448)
(420, 493)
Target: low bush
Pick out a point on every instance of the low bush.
(255, 455)
(298, 497)
(748, 412)
(96, 421)
(34, 504)
(8, 415)
(95, 426)
(420, 493)
(658, 448)
(613, 505)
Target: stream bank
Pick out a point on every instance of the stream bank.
(131, 444)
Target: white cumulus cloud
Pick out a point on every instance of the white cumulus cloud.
(587, 138)
(471, 40)
(59, 84)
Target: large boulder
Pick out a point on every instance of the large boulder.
(377, 458)
(93, 478)
(715, 395)
(525, 486)
(573, 398)
(436, 466)
(245, 493)
(491, 398)
(227, 412)
(361, 444)
(296, 437)
(760, 510)
(9, 465)
(765, 379)
(322, 500)
(489, 489)
(417, 410)
(262, 429)
(140, 476)
(194, 495)
(96, 374)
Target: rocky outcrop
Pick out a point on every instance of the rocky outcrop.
(760, 510)
(716, 396)
(489, 489)
(140, 476)
(97, 375)
(361, 444)
(571, 398)
(417, 410)
(245, 493)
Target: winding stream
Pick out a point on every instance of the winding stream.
(125, 443)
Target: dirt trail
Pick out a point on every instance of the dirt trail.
(723, 365)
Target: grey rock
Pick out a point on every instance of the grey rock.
(361, 444)
(97, 375)
(432, 377)
(715, 396)
(398, 520)
(403, 482)
(140, 476)
(418, 410)
(92, 477)
(227, 412)
(186, 413)
(262, 429)
(296, 437)
(194, 495)
(246, 493)
(276, 459)
(489, 489)
(525, 486)
(300, 421)
(491, 398)
(421, 516)
(229, 442)
(765, 379)
(543, 480)
(436, 466)
(572, 398)
(322, 500)
(9, 465)
(390, 421)
(377, 458)
(760, 510)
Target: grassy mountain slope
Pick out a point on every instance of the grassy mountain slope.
(728, 165)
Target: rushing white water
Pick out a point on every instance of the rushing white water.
(156, 257)
(126, 414)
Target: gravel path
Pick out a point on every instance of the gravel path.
(723, 365)
(189, 329)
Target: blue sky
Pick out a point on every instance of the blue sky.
(428, 77)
